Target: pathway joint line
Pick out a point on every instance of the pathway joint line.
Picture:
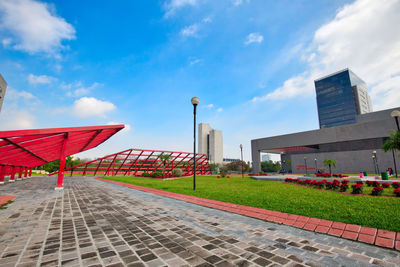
(302, 222)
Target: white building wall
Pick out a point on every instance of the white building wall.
(204, 131)
(3, 87)
(216, 146)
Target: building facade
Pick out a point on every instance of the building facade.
(3, 87)
(341, 96)
(210, 143)
(352, 146)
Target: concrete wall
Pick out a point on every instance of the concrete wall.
(216, 146)
(3, 87)
(351, 158)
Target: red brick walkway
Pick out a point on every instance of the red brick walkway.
(378, 237)
(4, 199)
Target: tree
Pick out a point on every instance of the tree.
(237, 166)
(329, 163)
(270, 166)
(165, 159)
(392, 144)
(213, 166)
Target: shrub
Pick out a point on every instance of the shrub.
(218, 176)
(344, 187)
(397, 192)
(222, 174)
(177, 172)
(329, 185)
(357, 188)
(335, 184)
(345, 181)
(156, 174)
(146, 174)
(369, 183)
(385, 185)
(360, 182)
(396, 185)
(377, 191)
(375, 183)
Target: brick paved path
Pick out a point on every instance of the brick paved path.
(96, 223)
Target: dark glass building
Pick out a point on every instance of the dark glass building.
(341, 96)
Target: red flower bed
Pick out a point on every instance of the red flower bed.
(396, 185)
(377, 191)
(385, 185)
(397, 192)
(357, 188)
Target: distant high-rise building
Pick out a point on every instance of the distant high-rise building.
(3, 87)
(341, 96)
(210, 143)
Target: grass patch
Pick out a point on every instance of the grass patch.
(369, 211)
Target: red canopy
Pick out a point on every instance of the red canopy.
(31, 148)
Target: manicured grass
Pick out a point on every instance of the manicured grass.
(369, 211)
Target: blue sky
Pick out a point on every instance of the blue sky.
(252, 64)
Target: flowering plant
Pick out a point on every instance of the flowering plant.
(385, 185)
(345, 181)
(396, 185)
(397, 192)
(375, 183)
(369, 183)
(377, 191)
(357, 188)
(360, 182)
(344, 187)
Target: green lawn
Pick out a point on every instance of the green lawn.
(369, 211)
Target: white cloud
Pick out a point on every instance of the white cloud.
(195, 61)
(33, 27)
(126, 129)
(173, 5)
(90, 106)
(239, 2)
(254, 37)
(6, 42)
(208, 106)
(77, 89)
(364, 36)
(207, 20)
(15, 95)
(220, 109)
(40, 79)
(16, 120)
(190, 30)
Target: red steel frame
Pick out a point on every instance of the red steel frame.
(22, 150)
(133, 162)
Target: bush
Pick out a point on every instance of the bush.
(375, 183)
(377, 191)
(344, 187)
(396, 185)
(369, 183)
(357, 188)
(156, 174)
(397, 192)
(177, 172)
(385, 185)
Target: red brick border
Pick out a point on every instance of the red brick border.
(378, 237)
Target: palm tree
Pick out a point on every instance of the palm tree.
(165, 159)
(393, 144)
(329, 163)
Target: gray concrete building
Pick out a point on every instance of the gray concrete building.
(210, 143)
(350, 145)
(3, 87)
(341, 96)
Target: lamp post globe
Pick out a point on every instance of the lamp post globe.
(195, 101)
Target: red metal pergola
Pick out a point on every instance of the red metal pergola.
(133, 162)
(22, 150)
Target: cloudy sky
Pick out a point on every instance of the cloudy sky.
(252, 63)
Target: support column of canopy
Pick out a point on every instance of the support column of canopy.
(2, 173)
(26, 172)
(20, 170)
(60, 179)
(12, 176)
(30, 173)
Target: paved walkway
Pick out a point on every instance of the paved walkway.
(95, 223)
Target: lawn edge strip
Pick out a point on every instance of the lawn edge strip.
(373, 236)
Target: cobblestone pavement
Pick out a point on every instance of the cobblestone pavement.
(93, 223)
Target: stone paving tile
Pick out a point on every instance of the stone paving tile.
(93, 223)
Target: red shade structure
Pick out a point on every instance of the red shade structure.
(21, 150)
(133, 162)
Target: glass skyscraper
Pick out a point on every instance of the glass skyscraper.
(341, 96)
